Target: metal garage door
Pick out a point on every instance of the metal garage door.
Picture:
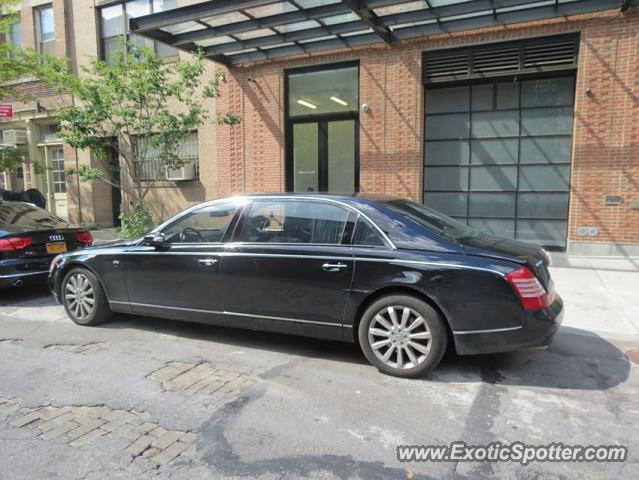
(497, 152)
(497, 155)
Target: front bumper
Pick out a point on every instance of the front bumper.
(538, 330)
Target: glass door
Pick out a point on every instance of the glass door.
(322, 129)
(56, 180)
(324, 156)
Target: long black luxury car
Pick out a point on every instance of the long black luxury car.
(30, 238)
(401, 279)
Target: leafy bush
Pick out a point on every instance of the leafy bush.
(136, 223)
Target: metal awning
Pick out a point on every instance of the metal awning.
(235, 32)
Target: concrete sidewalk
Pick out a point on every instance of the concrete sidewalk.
(601, 294)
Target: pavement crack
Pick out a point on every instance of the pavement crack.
(219, 455)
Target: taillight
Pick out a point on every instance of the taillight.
(84, 237)
(14, 243)
(532, 293)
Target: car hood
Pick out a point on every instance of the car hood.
(110, 244)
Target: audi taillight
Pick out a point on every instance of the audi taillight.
(532, 293)
(14, 243)
(84, 237)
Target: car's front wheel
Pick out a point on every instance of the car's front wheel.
(402, 336)
(83, 298)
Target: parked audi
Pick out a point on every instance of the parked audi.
(400, 279)
(30, 238)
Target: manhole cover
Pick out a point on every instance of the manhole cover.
(633, 355)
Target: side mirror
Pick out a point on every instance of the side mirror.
(154, 239)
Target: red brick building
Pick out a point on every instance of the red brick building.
(518, 117)
(522, 120)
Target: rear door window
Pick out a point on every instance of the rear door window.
(272, 221)
(366, 235)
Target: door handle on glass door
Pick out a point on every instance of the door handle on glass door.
(334, 267)
(207, 262)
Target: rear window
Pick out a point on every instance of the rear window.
(432, 219)
(25, 215)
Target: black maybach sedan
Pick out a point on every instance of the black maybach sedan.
(400, 279)
(30, 238)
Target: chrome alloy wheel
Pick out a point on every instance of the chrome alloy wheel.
(399, 337)
(79, 296)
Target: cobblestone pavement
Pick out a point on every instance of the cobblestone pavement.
(143, 398)
(79, 426)
(201, 379)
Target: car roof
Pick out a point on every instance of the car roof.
(353, 198)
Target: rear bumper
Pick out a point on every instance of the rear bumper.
(21, 279)
(538, 330)
(17, 272)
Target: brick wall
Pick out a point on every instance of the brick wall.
(605, 150)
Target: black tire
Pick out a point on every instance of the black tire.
(99, 313)
(431, 330)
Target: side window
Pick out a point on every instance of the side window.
(366, 235)
(294, 222)
(208, 224)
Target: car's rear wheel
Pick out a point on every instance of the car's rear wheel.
(402, 336)
(83, 298)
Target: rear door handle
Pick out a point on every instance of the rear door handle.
(334, 267)
(207, 262)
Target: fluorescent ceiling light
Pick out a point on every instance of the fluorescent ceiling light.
(307, 104)
(338, 100)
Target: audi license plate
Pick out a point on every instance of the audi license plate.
(58, 247)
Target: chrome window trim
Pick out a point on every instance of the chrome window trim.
(224, 312)
(284, 244)
(25, 274)
(490, 330)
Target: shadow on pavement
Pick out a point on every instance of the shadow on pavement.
(577, 359)
(26, 296)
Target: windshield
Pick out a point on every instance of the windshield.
(26, 215)
(432, 219)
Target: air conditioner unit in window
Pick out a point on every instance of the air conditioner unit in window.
(14, 137)
(188, 171)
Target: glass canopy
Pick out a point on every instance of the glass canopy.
(237, 32)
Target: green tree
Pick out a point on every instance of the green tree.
(135, 104)
(15, 62)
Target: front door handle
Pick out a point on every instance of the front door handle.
(207, 262)
(334, 267)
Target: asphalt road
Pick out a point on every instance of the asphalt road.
(257, 405)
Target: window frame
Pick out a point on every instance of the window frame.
(10, 33)
(290, 121)
(347, 233)
(163, 178)
(230, 228)
(38, 26)
(125, 32)
(364, 220)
